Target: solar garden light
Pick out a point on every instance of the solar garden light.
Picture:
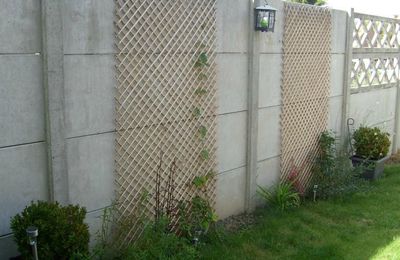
(265, 18)
(196, 238)
(32, 233)
(315, 191)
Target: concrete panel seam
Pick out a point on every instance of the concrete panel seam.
(21, 54)
(384, 121)
(372, 90)
(269, 158)
(89, 135)
(273, 106)
(233, 112)
(98, 210)
(231, 53)
(90, 54)
(22, 144)
(233, 169)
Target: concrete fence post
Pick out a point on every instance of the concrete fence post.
(53, 83)
(347, 77)
(252, 116)
(396, 137)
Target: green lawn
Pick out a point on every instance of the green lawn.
(364, 226)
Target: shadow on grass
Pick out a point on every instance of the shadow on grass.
(363, 226)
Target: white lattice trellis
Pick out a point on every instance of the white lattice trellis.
(371, 72)
(375, 51)
(376, 32)
(305, 86)
(165, 99)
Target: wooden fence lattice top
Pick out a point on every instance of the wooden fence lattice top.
(165, 99)
(375, 52)
(305, 86)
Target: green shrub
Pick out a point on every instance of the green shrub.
(333, 173)
(157, 242)
(283, 196)
(371, 143)
(62, 232)
(196, 216)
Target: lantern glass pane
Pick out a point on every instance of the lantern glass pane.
(271, 19)
(264, 19)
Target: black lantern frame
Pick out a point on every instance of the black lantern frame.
(265, 18)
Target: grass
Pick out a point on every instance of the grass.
(363, 226)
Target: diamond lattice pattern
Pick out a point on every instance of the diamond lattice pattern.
(376, 47)
(376, 33)
(367, 72)
(305, 86)
(165, 101)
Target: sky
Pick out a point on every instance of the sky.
(387, 8)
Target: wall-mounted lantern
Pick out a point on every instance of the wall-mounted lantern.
(265, 18)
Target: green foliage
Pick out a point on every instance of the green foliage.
(157, 242)
(310, 2)
(62, 232)
(201, 181)
(332, 171)
(202, 213)
(283, 196)
(106, 240)
(80, 256)
(196, 217)
(325, 161)
(200, 91)
(371, 143)
(365, 226)
(197, 112)
(205, 154)
(202, 131)
(171, 232)
(202, 60)
(202, 76)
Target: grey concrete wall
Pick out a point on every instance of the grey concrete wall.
(89, 104)
(23, 175)
(89, 86)
(375, 108)
(232, 80)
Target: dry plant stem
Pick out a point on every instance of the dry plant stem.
(166, 204)
(158, 209)
(171, 189)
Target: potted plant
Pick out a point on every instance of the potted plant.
(371, 147)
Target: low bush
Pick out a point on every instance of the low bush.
(62, 232)
(333, 174)
(196, 218)
(371, 143)
(283, 196)
(157, 242)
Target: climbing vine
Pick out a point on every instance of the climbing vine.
(200, 65)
